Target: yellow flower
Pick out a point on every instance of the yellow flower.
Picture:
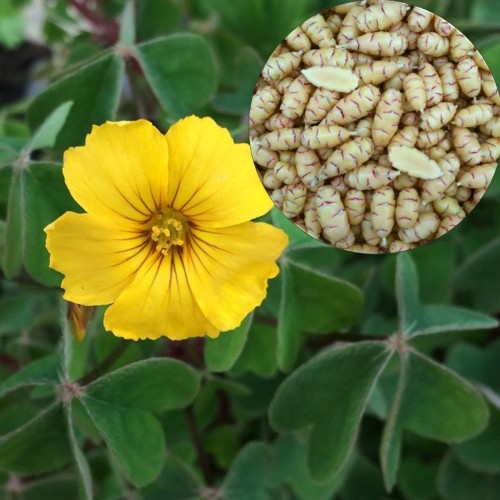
(166, 239)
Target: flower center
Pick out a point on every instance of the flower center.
(169, 229)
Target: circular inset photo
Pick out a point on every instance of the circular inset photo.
(375, 126)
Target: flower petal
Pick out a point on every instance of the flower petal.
(121, 171)
(158, 303)
(98, 256)
(228, 269)
(212, 181)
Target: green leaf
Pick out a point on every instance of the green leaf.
(485, 11)
(12, 24)
(490, 54)
(8, 157)
(418, 478)
(407, 292)
(248, 66)
(94, 89)
(262, 24)
(417, 319)
(482, 453)
(171, 64)
(52, 486)
(390, 447)
(340, 378)
(177, 481)
(460, 416)
(325, 304)
(436, 264)
(457, 482)
(221, 353)
(41, 371)
(16, 311)
(3, 228)
(290, 466)
(156, 384)
(296, 235)
(432, 402)
(45, 197)
(288, 332)
(436, 319)
(255, 402)
(12, 262)
(43, 434)
(259, 353)
(45, 136)
(206, 405)
(82, 465)
(134, 438)
(103, 344)
(477, 364)
(222, 444)
(5, 181)
(317, 256)
(314, 302)
(478, 275)
(231, 104)
(156, 18)
(249, 474)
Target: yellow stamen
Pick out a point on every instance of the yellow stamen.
(168, 230)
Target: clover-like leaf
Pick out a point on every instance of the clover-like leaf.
(290, 467)
(418, 478)
(46, 134)
(476, 363)
(288, 332)
(152, 384)
(329, 393)
(94, 89)
(177, 481)
(248, 477)
(41, 371)
(134, 437)
(249, 20)
(457, 482)
(259, 354)
(475, 275)
(419, 319)
(482, 452)
(248, 65)
(189, 60)
(312, 301)
(407, 292)
(431, 401)
(38, 195)
(40, 445)
(221, 353)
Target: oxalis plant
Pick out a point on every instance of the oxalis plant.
(349, 376)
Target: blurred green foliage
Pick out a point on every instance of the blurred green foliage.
(305, 400)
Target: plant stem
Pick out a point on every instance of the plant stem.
(203, 459)
(10, 362)
(106, 363)
(104, 29)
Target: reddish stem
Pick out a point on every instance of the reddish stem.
(10, 362)
(106, 30)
